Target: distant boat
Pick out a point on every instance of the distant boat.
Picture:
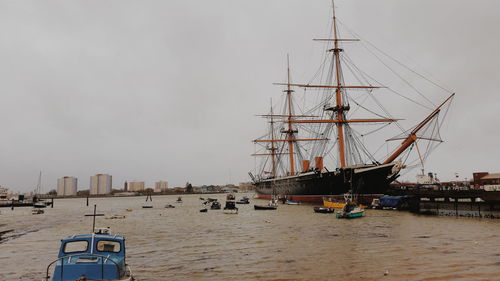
(244, 200)
(291, 202)
(264, 207)
(355, 213)
(179, 200)
(37, 211)
(230, 207)
(324, 210)
(204, 210)
(330, 203)
(215, 206)
(169, 206)
(351, 209)
(39, 204)
(272, 205)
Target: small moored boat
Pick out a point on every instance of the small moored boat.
(37, 211)
(356, 213)
(215, 205)
(230, 207)
(323, 210)
(291, 202)
(350, 211)
(272, 205)
(39, 204)
(244, 200)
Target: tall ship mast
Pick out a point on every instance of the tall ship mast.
(313, 148)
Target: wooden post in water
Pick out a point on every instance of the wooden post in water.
(52, 202)
(479, 207)
(87, 200)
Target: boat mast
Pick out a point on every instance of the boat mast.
(339, 108)
(273, 148)
(290, 131)
(38, 189)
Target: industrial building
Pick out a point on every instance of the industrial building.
(161, 186)
(67, 186)
(100, 184)
(134, 186)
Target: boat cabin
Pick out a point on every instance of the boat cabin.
(91, 257)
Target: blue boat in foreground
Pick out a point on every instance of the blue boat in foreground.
(96, 256)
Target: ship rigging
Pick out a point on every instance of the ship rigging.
(323, 131)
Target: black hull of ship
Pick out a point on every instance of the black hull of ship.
(361, 180)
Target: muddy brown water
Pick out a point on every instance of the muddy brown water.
(291, 243)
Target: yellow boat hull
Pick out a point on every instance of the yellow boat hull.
(337, 205)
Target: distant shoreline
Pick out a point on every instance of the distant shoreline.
(46, 196)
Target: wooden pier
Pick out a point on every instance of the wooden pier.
(460, 203)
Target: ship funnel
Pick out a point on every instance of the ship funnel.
(319, 163)
(305, 165)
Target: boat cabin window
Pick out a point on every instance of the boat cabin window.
(108, 246)
(76, 246)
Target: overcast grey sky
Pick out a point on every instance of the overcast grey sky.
(168, 90)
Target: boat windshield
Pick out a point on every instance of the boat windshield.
(108, 246)
(76, 246)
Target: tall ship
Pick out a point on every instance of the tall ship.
(335, 134)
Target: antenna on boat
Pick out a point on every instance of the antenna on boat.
(94, 215)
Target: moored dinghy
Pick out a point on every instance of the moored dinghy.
(36, 211)
(215, 205)
(292, 202)
(244, 200)
(272, 205)
(351, 210)
(323, 210)
(230, 207)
